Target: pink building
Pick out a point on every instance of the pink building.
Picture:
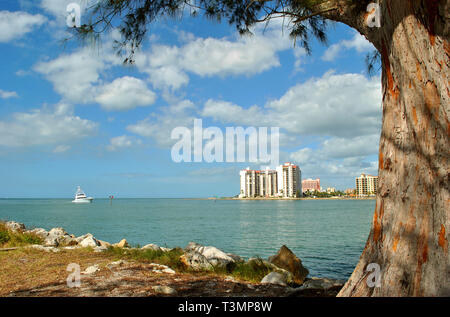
(311, 184)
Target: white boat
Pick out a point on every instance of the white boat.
(80, 197)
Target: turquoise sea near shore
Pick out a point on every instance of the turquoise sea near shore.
(328, 235)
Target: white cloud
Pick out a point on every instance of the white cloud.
(61, 148)
(74, 75)
(303, 156)
(121, 142)
(317, 163)
(14, 25)
(228, 112)
(159, 126)
(341, 105)
(247, 55)
(358, 42)
(7, 94)
(168, 66)
(125, 93)
(44, 126)
(58, 8)
(357, 146)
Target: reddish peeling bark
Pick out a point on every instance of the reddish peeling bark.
(409, 235)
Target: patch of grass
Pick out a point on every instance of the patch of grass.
(4, 237)
(170, 258)
(252, 271)
(9, 238)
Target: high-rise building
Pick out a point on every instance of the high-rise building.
(366, 185)
(311, 185)
(331, 190)
(285, 181)
(268, 185)
(289, 180)
(249, 183)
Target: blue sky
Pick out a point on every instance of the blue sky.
(74, 115)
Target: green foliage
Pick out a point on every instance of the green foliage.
(323, 194)
(4, 237)
(305, 19)
(252, 271)
(28, 238)
(170, 258)
(9, 238)
(373, 62)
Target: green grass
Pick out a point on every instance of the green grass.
(170, 258)
(10, 239)
(252, 271)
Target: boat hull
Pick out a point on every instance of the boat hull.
(82, 200)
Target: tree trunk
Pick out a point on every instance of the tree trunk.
(410, 229)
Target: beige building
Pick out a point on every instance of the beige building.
(366, 185)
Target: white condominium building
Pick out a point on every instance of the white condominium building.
(289, 180)
(249, 183)
(268, 183)
(366, 185)
(285, 181)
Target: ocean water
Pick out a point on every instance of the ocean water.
(328, 235)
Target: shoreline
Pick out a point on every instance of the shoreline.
(193, 198)
(278, 198)
(122, 270)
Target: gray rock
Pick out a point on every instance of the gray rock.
(235, 257)
(44, 248)
(104, 243)
(84, 236)
(100, 248)
(40, 232)
(163, 289)
(321, 283)
(58, 236)
(151, 246)
(213, 256)
(58, 232)
(51, 241)
(275, 278)
(88, 241)
(195, 261)
(91, 269)
(15, 226)
(72, 247)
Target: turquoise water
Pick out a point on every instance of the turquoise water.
(328, 235)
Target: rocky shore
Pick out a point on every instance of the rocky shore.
(197, 270)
